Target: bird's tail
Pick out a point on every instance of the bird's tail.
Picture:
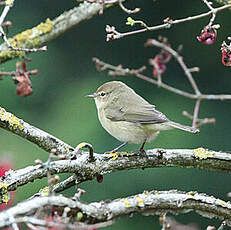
(183, 127)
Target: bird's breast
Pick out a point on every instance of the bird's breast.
(126, 131)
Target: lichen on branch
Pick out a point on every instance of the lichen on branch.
(30, 38)
(48, 30)
(148, 203)
(47, 142)
(86, 170)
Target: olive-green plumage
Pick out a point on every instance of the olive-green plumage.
(128, 117)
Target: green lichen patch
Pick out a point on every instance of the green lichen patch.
(31, 37)
(202, 153)
(116, 155)
(192, 193)
(156, 192)
(10, 54)
(4, 196)
(140, 201)
(146, 193)
(68, 149)
(41, 29)
(127, 154)
(45, 27)
(13, 122)
(79, 216)
(223, 203)
(44, 191)
(126, 201)
(113, 155)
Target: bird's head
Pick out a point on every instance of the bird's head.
(108, 92)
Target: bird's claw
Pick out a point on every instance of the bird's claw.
(114, 155)
(142, 152)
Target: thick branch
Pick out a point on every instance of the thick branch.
(49, 30)
(104, 164)
(86, 170)
(44, 140)
(154, 202)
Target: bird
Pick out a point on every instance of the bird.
(130, 118)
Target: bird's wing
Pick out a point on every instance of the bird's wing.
(145, 113)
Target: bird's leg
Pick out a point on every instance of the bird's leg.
(119, 147)
(142, 151)
(114, 152)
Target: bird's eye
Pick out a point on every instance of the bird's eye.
(102, 94)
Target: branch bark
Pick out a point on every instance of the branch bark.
(86, 169)
(121, 71)
(148, 203)
(49, 30)
(105, 164)
(47, 142)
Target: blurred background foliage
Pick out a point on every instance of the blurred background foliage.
(67, 74)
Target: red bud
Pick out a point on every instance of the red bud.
(208, 35)
(99, 178)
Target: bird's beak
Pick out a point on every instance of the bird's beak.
(92, 95)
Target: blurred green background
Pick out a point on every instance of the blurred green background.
(67, 74)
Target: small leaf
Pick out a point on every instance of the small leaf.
(130, 21)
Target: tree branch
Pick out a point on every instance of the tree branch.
(48, 224)
(113, 34)
(105, 164)
(223, 2)
(149, 203)
(100, 65)
(44, 140)
(48, 30)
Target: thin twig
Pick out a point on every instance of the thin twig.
(200, 121)
(179, 59)
(127, 71)
(2, 17)
(198, 96)
(67, 183)
(54, 28)
(136, 10)
(5, 12)
(208, 4)
(196, 112)
(159, 77)
(44, 48)
(16, 73)
(118, 35)
(105, 3)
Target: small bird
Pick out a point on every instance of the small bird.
(130, 118)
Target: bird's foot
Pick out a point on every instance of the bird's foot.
(114, 155)
(142, 152)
